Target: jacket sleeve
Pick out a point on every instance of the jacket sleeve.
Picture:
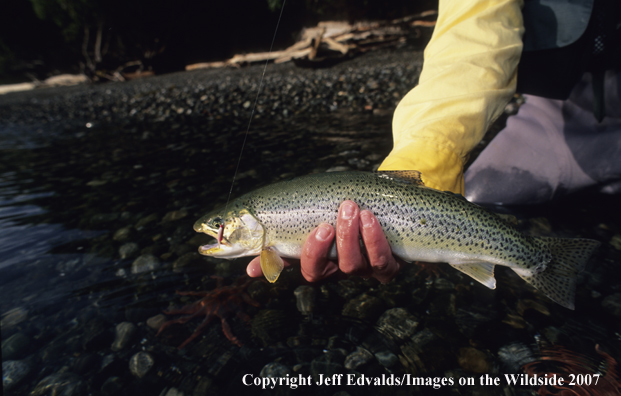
(468, 76)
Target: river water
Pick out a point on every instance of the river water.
(96, 238)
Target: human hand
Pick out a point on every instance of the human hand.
(378, 261)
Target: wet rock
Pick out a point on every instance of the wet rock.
(359, 163)
(124, 332)
(386, 358)
(13, 371)
(326, 365)
(424, 352)
(514, 356)
(146, 221)
(85, 363)
(305, 299)
(205, 387)
(145, 263)
(357, 358)
(188, 260)
(112, 386)
(138, 314)
(16, 346)
(348, 289)
(397, 323)
(442, 284)
(141, 363)
(124, 234)
(473, 360)
(104, 218)
(271, 326)
(171, 392)
(612, 304)
(63, 384)
(174, 215)
(13, 317)
(155, 322)
(515, 321)
(524, 305)
(364, 307)
(129, 250)
(275, 370)
(339, 168)
(96, 335)
(615, 241)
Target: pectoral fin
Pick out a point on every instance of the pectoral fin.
(480, 271)
(271, 264)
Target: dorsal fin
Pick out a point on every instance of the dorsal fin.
(404, 176)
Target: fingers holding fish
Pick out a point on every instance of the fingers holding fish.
(351, 260)
(315, 264)
(383, 263)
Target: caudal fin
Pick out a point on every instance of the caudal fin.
(569, 257)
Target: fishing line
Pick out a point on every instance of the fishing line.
(256, 99)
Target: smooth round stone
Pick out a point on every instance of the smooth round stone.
(124, 333)
(386, 358)
(140, 364)
(305, 299)
(128, 250)
(13, 317)
(13, 371)
(65, 384)
(145, 263)
(275, 370)
(16, 346)
(123, 234)
(155, 322)
(357, 358)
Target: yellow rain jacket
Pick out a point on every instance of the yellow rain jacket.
(469, 75)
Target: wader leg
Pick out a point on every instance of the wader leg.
(552, 148)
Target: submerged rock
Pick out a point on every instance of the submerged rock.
(145, 263)
(397, 323)
(305, 299)
(124, 332)
(65, 384)
(140, 364)
(365, 307)
(357, 358)
(16, 346)
(275, 370)
(129, 250)
(13, 371)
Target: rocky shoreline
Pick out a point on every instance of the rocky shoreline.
(370, 82)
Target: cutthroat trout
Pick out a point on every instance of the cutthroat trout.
(420, 224)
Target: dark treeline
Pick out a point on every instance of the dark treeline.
(39, 37)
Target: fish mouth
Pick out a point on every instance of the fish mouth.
(213, 247)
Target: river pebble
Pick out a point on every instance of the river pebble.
(16, 346)
(13, 371)
(145, 263)
(141, 363)
(124, 332)
(65, 384)
(305, 299)
(129, 250)
(357, 358)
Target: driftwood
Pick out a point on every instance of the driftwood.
(334, 39)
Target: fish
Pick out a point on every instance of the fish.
(420, 224)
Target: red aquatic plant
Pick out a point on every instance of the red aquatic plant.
(221, 303)
(582, 376)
